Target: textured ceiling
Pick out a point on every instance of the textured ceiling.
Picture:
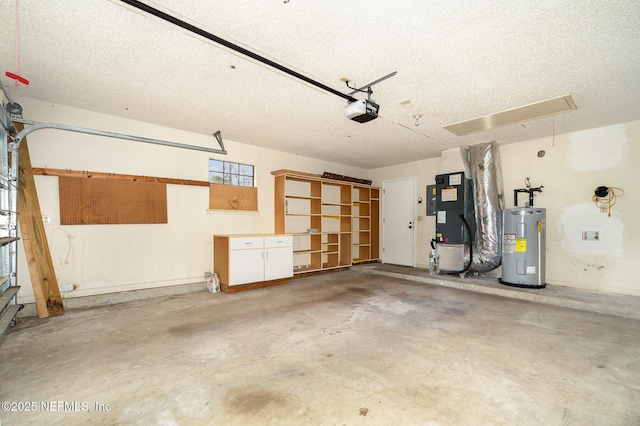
(455, 60)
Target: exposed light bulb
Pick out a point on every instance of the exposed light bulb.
(417, 117)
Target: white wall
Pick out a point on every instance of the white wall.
(573, 166)
(424, 171)
(108, 258)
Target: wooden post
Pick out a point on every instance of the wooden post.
(34, 239)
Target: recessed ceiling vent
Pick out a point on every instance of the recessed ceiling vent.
(513, 116)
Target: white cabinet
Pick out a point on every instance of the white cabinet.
(252, 261)
(246, 266)
(278, 252)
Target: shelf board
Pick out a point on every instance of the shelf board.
(302, 197)
(294, 175)
(361, 244)
(303, 214)
(305, 251)
(329, 252)
(304, 270)
(325, 268)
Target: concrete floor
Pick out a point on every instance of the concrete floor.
(348, 348)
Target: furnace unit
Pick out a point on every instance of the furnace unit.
(455, 221)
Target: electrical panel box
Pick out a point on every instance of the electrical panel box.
(454, 201)
(431, 200)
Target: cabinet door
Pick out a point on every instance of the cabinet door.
(278, 263)
(246, 266)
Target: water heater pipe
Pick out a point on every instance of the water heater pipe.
(529, 190)
(539, 254)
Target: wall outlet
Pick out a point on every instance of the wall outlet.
(590, 235)
(46, 220)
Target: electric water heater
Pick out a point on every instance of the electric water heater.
(523, 247)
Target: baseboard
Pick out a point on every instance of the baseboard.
(30, 310)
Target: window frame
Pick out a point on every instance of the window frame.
(231, 189)
(231, 173)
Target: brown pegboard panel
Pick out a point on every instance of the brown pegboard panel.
(231, 197)
(101, 202)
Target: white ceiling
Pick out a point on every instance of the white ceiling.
(456, 60)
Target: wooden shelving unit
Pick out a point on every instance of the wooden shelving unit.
(361, 218)
(375, 224)
(333, 223)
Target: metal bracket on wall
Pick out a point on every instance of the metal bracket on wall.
(33, 126)
(368, 86)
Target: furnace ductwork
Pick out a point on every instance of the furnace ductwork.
(486, 173)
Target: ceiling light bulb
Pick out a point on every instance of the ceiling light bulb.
(417, 117)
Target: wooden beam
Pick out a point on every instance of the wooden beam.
(115, 176)
(34, 239)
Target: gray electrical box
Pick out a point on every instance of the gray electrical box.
(431, 200)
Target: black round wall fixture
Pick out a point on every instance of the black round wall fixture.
(602, 191)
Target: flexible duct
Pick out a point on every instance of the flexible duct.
(486, 172)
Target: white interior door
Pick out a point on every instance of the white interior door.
(398, 222)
